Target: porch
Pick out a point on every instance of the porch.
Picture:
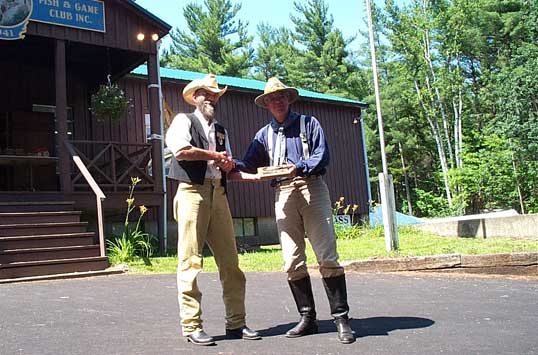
(53, 151)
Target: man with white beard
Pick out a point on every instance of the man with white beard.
(202, 149)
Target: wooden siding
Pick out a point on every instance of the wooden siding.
(122, 22)
(237, 112)
(30, 84)
(33, 83)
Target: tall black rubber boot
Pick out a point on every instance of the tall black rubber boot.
(302, 294)
(336, 290)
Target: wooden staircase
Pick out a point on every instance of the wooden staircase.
(45, 238)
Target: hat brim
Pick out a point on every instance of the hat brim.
(293, 96)
(188, 92)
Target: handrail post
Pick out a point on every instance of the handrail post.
(100, 228)
(99, 195)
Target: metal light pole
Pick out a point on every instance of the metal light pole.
(385, 180)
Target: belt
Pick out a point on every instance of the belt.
(297, 179)
(213, 181)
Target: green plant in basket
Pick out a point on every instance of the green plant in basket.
(133, 242)
(109, 102)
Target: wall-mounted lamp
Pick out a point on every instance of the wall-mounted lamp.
(155, 37)
(140, 36)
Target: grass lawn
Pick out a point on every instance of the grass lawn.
(368, 243)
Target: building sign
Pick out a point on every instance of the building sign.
(343, 219)
(84, 14)
(14, 15)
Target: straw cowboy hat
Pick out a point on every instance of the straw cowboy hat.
(208, 82)
(274, 85)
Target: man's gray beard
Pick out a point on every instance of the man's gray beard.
(207, 110)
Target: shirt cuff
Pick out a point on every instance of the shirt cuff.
(301, 167)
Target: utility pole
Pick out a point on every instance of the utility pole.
(385, 180)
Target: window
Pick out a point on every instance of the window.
(147, 124)
(245, 227)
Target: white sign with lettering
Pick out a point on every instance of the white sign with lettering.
(344, 219)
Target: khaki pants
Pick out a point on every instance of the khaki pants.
(303, 207)
(203, 215)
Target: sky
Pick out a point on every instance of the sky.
(349, 15)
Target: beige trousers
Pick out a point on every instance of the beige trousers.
(203, 215)
(303, 207)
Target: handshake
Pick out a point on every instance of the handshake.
(223, 161)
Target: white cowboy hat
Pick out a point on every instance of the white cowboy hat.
(208, 82)
(273, 85)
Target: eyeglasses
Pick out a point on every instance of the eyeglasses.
(280, 96)
(206, 94)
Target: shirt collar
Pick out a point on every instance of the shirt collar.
(202, 119)
(292, 117)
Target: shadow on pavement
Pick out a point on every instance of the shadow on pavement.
(363, 327)
(383, 325)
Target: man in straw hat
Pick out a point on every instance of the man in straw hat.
(201, 147)
(302, 204)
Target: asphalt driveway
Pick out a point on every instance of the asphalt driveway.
(393, 314)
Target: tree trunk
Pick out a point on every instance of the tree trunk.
(438, 101)
(439, 142)
(406, 180)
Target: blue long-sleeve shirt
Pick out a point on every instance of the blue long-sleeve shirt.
(257, 154)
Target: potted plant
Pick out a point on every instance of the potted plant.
(109, 102)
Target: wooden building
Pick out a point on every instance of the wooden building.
(62, 171)
(252, 203)
(57, 162)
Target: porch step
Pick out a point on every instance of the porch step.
(46, 240)
(52, 253)
(40, 239)
(40, 217)
(36, 206)
(50, 267)
(30, 229)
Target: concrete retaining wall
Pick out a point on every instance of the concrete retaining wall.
(523, 226)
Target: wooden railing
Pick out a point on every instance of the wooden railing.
(113, 164)
(99, 195)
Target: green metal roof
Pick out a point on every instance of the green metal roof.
(249, 84)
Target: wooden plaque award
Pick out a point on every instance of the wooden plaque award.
(271, 172)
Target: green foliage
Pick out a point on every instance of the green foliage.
(413, 242)
(430, 205)
(133, 242)
(275, 53)
(215, 42)
(458, 89)
(347, 232)
(487, 181)
(324, 64)
(109, 102)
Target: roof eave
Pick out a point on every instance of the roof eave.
(305, 94)
(154, 18)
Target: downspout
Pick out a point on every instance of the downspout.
(165, 200)
(368, 187)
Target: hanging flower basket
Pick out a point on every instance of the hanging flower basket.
(109, 102)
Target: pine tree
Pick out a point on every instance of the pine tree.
(215, 42)
(324, 64)
(275, 53)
